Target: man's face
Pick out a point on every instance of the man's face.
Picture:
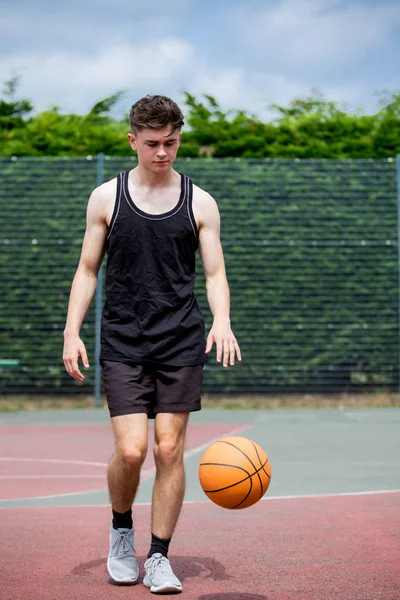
(156, 148)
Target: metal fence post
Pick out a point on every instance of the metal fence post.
(99, 299)
(398, 254)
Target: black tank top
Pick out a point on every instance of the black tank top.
(150, 312)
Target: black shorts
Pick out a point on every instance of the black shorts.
(151, 388)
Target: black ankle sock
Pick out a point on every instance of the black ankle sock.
(122, 519)
(158, 545)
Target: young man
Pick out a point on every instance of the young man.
(150, 220)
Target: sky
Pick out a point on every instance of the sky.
(248, 54)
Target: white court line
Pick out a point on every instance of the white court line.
(146, 472)
(148, 504)
(2, 500)
(270, 498)
(336, 495)
(56, 461)
(24, 477)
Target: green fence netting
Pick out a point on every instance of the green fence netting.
(311, 255)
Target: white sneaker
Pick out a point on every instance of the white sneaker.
(121, 565)
(159, 576)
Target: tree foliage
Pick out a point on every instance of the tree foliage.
(13, 111)
(312, 127)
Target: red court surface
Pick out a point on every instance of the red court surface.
(324, 548)
(43, 460)
(341, 547)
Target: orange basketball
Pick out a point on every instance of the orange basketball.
(234, 472)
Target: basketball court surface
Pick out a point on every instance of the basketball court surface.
(328, 527)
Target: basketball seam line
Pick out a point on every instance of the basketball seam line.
(258, 474)
(240, 450)
(249, 476)
(258, 456)
(247, 495)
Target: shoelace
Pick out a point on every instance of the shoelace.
(160, 563)
(123, 544)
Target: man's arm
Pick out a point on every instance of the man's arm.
(207, 216)
(84, 284)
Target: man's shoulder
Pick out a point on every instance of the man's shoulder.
(201, 196)
(105, 191)
(102, 200)
(204, 207)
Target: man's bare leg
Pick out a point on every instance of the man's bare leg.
(168, 493)
(123, 476)
(169, 485)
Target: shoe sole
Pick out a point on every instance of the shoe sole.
(166, 588)
(124, 579)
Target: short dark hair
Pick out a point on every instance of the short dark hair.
(155, 112)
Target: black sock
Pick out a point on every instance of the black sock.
(158, 545)
(122, 519)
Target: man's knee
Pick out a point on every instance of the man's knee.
(132, 456)
(168, 451)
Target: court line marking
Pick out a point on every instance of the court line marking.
(3, 500)
(3, 477)
(332, 495)
(146, 472)
(57, 461)
(294, 497)
(148, 504)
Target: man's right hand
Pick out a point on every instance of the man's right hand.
(73, 349)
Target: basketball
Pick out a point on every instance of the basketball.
(234, 472)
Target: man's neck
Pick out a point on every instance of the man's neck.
(147, 178)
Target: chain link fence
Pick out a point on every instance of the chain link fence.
(311, 250)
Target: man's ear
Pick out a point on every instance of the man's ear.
(132, 141)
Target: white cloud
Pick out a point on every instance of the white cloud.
(75, 81)
(315, 33)
(252, 92)
(86, 24)
(267, 53)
